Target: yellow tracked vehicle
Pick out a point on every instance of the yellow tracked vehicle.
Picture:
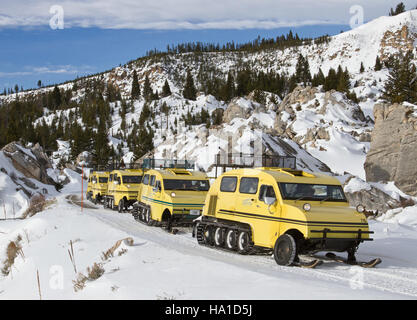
(123, 188)
(89, 191)
(99, 181)
(171, 197)
(290, 212)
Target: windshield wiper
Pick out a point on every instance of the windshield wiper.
(324, 199)
(303, 197)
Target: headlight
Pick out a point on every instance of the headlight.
(360, 208)
(173, 194)
(307, 207)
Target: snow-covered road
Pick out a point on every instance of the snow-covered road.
(165, 266)
(398, 277)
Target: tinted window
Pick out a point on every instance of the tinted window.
(314, 192)
(131, 179)
(249, 185)
(190, 185)
(152, 181)
(102, 179)
(146, 179)
(111, 178)
(266, 192)
(228, 184)
(158, 185)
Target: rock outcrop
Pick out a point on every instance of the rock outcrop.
(393, 152)
(32, 163)
(237, 108)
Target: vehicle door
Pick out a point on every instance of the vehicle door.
(258, 203)
(224, 201)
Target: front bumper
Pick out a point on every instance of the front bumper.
(334, 240)
(184, 216)
(326, 232)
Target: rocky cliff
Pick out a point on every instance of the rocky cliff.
(393, 152)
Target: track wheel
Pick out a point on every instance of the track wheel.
(121, 205)
(199, 233)
(231, 239)
(208, 235)
(219, 237)
(285, 250)
(148, 217)
(243, 242)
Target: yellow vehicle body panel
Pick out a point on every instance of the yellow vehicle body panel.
(325, 219)
(118, 189)
(90, 183)
(99, 189)
(184, 204)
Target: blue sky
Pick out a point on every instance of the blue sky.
(99, 35)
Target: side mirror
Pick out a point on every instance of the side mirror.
(270, 201)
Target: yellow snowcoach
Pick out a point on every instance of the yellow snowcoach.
(171, 197)
(123, 189)
(89, 191)
(98, 187)
(288, 211)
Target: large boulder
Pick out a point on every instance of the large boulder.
(32, 163)
(373, 199)
(238, 108)
(393, 152)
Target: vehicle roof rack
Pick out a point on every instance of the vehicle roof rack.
(249, 160)
(150, 163)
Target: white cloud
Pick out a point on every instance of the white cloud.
(60, 69)
(190, 14)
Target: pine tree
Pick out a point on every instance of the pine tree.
(302, 73)
(398, 10)
(190, 92)
(331, 80)
(343, 84)
(402, 81)
(319, 79)
(135, 86)
(147, 90)
(378, 64)
(102, 150)
(56, 98)
(166, 90)
(362, 69)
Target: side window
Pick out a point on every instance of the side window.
(146, 179)
(249, 185)
(266, 192)
(152, 181)
(111, 178)
(228, 184)
(158, 185)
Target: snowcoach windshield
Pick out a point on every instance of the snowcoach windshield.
(102, 180)
(132, 179)
(312, 192)
(189, 185)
